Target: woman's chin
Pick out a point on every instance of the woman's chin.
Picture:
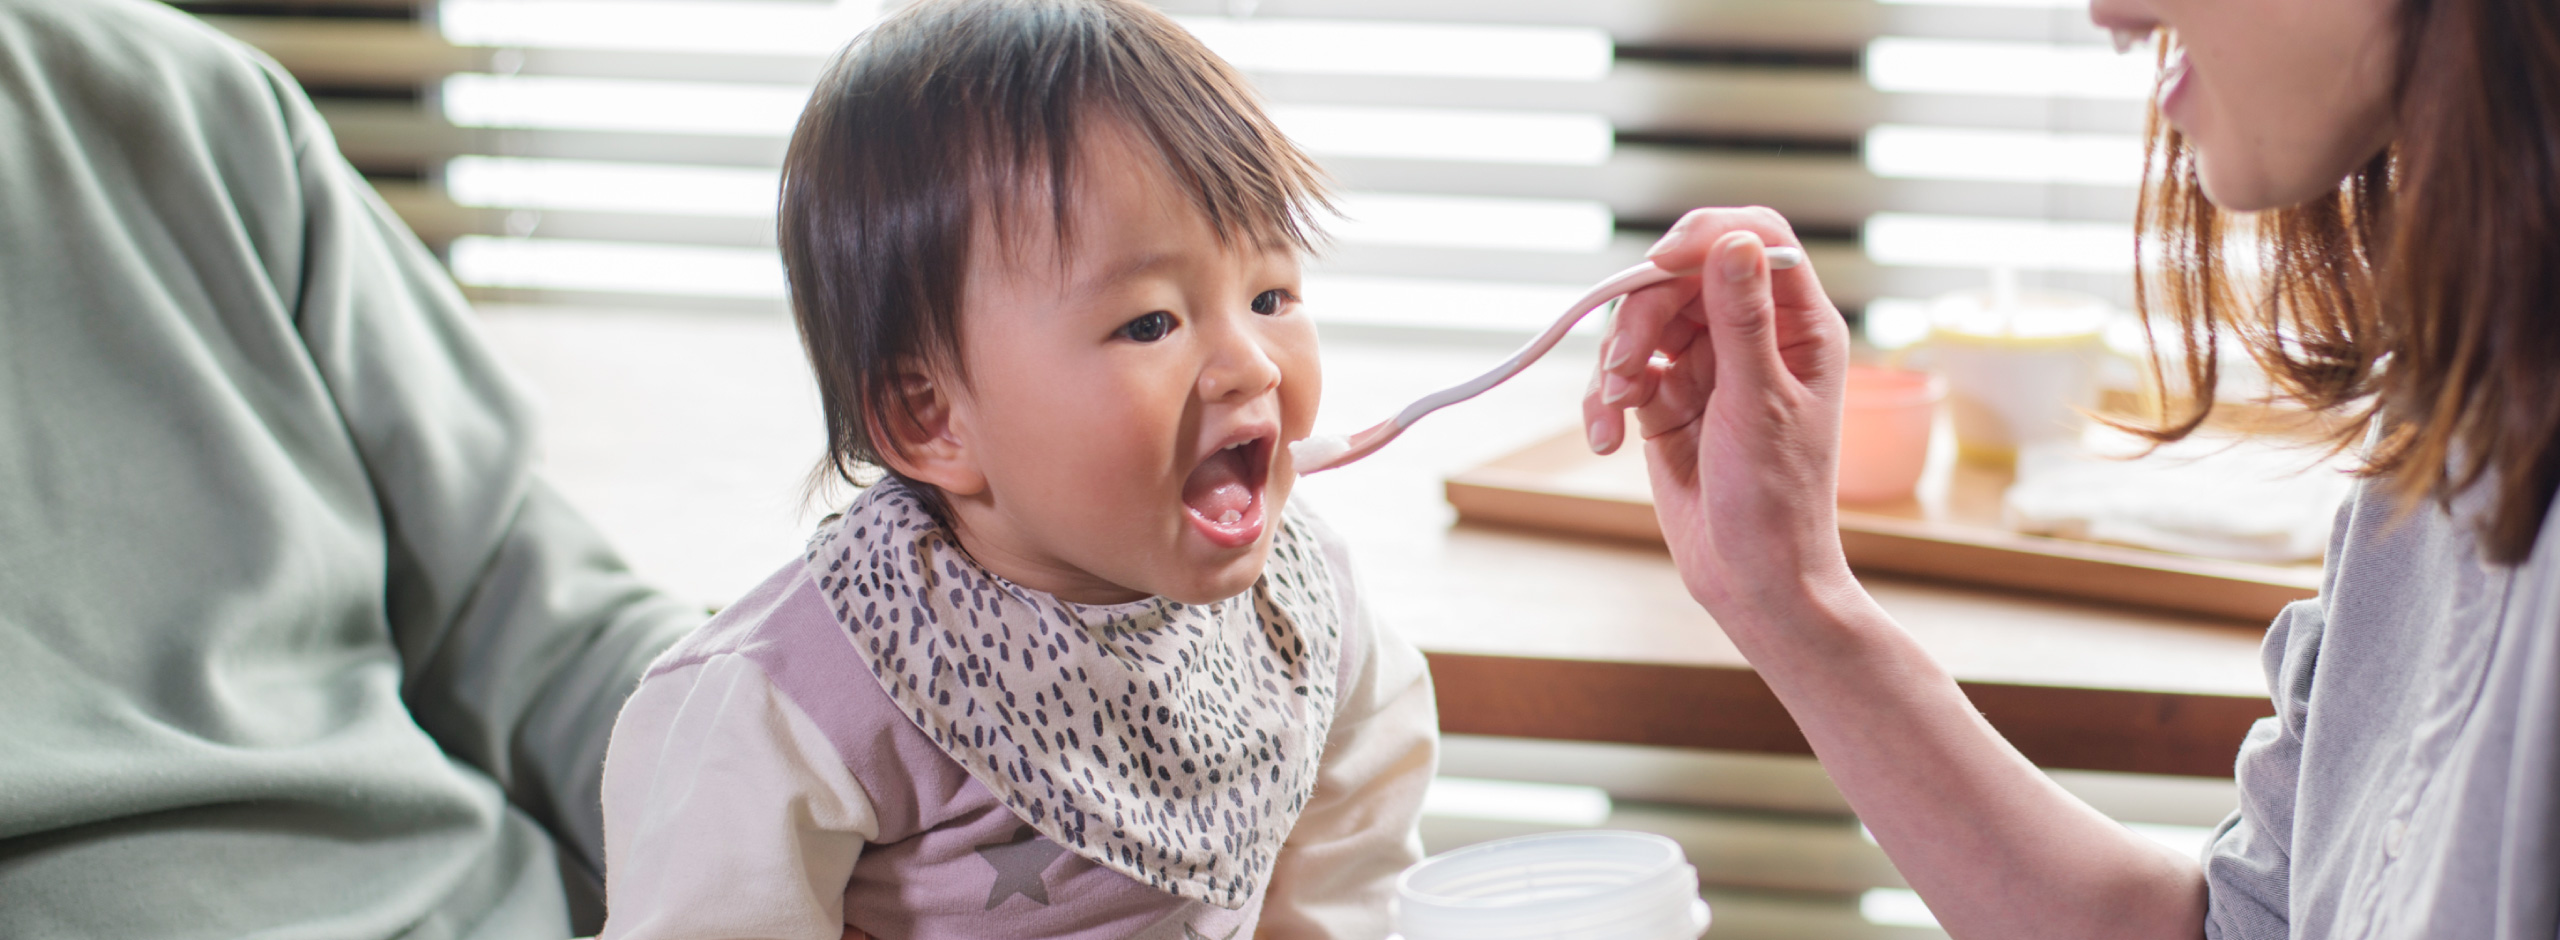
(2236, 185)
(2238, 190)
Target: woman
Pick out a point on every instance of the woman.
(2405, 162)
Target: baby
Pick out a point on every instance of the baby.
(1072, 667)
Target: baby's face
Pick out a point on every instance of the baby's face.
(1127, 401)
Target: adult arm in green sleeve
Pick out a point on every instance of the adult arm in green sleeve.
(520, 630)
(290, 630)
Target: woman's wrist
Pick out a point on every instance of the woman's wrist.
(1816, 605)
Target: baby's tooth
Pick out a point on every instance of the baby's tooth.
(1230, 517)
(2126, 39)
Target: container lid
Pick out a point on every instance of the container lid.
(1579, 885)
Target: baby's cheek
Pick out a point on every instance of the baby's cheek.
(1301, 394)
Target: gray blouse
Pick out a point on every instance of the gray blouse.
(2406, 786)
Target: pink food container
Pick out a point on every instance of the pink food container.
(1885, 425)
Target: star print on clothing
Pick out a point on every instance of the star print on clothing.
(1193, 933)
(1018, 865)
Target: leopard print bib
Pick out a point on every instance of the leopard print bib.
(1173, 743)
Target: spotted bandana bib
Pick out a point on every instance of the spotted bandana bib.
(1173, 743)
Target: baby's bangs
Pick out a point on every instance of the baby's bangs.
(1253, 183)
(1097, 62)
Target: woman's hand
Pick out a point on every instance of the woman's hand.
(1735, 379)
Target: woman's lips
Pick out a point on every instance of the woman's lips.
(2174, 75)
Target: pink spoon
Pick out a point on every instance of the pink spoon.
(1327, 451)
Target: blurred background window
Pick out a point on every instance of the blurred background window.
(623, 151)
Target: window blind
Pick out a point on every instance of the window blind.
(625, 149)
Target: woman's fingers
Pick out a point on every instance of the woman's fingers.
(1667, 394)
(1647, 321)
(1638, 330)
(1679, 393)
(1686, 246)
(1605, 404)
(1761, 331)
(1803, 325)
(1742, 317)
(1604, 427)
(1795, 293)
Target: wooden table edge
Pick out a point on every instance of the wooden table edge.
(1729, 708)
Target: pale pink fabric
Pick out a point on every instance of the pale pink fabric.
(832, 809)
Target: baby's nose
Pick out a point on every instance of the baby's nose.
(1238, 368)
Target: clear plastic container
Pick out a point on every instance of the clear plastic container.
(1581, 885)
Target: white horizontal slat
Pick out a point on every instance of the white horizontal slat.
(1469, 135)
(752, 27)
(1637, 182)
(612, 186)
(679, 199)
(1638, 96)
(400, 135)
(1907, 151)
(327, 52)
(1852, 278)
(1813, 25)
(1976, 241)
(2028, 70)
(1472, 50)
(1821, 191)
(1847, 274)
(438, 221)
(1566, 227)
(1828, 191)
(566, 265)
(559, 102)
(1719, 101)
(1837, 25)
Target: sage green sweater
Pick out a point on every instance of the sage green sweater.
(293, 640)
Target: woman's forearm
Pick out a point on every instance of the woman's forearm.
(1735, 380)
(1995, 847)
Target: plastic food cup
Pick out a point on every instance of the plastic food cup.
(1885, 424)
(2021, 366)
(1579, 885)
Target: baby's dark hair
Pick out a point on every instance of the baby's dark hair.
(953, 109)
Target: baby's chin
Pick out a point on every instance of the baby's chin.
(1213, 582)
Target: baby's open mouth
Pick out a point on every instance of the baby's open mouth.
(1224, 493)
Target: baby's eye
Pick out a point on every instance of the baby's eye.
(1149, 328)
(1271, 301)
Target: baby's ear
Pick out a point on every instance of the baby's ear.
(919, 436)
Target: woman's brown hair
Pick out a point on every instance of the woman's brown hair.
(951, 113)
(2422, 294)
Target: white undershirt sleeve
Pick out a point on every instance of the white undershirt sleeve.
(1335, 875)
(727, 813)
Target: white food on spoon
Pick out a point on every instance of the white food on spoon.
(1317, 451)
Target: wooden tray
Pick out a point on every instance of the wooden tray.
(1952, 533)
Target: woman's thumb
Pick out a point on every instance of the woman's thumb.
(1741, 317)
